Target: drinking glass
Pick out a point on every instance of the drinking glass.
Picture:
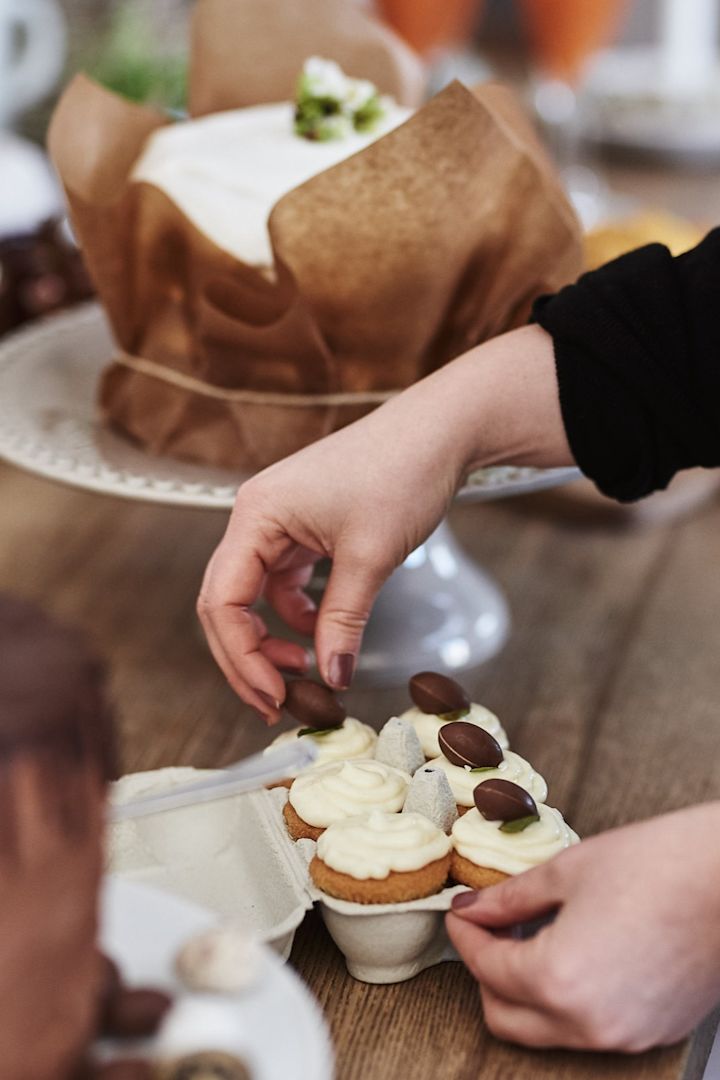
(564, 35)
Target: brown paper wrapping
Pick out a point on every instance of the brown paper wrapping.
(457, 223)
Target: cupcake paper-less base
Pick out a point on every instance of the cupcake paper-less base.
(434, 238)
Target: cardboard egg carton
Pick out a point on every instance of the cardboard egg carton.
(235, 857)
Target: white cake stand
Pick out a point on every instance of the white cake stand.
(439, 611)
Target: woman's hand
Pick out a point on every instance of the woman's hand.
(632, 959)
(365, 497)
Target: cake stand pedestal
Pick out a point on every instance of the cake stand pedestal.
(438, 611)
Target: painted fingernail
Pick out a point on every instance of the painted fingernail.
(340, 670)
(463, 900)
(271, 701)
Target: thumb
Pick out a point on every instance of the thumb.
(529, 895)
(352, 587)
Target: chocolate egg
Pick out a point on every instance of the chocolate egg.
(436, 694)
(501, 800)
(314, 705)
(135, 1013)
(467, 744)
(125, 1069)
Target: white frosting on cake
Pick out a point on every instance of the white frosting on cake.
(345, 789)
(378, 844)
(226, 171)
(513, 767)
(352, 739)
(428, 725)
(484, 844)
(224, 960)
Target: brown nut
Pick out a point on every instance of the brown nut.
(501, 800)
(314, 705)
(437, 695)
(135, 1013)
(467, 744)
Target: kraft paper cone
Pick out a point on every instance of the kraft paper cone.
(457, 224)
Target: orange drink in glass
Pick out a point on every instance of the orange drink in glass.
(431, 25)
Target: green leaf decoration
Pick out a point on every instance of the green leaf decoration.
(321, 117)
(484, 768)
(519, 824)
(315, 733)
(457, 714)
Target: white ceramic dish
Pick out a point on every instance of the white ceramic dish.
(49, 425)
(143, 927)
(626, 106)
(261, 877)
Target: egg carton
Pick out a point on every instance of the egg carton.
(234, 856)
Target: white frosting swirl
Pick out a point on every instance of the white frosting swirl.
(484, 844)
(378, 844)
(427, 726)
(352, 739)
(226, 171)
(513, 767)
(345, 789)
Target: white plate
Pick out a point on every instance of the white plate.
(626, 106)
(142, 929)
(49, 425)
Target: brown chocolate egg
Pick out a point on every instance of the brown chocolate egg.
(501, 800)
(124, 1069)
(437, 695)
(467, 744)
(135, 1013)
(314, 705)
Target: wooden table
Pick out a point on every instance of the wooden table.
(613, 649)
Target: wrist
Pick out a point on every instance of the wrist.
(506, 403)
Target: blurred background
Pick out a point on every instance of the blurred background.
(626, 93)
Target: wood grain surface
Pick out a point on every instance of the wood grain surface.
(608, 684)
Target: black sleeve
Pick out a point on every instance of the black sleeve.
(637, 350)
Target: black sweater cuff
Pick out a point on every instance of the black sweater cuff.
(637, 351)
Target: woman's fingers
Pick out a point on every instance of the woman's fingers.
(285, 592)
(513, 1022)
(525, 896)
(507, 967)
(355, 580)
(233, 582)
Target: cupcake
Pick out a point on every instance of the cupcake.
(438, 700)
(507, 832)
(341, 790)
(381, 858)
(471, 756)
(323, 719)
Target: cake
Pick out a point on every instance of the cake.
(438, 700)
(56, 757)
(227, 170)
(323, 719)
(505, 834)
(381, 858)
(471, 756)
(341, 790)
